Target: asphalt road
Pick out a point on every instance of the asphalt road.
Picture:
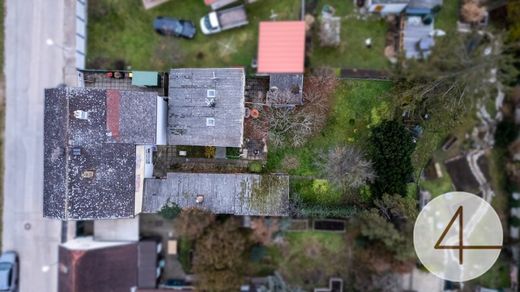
(30, 66)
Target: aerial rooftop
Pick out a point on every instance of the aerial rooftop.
(281, 47)
(89, 265)
(234, 193)
(206, 107)
(90, 151)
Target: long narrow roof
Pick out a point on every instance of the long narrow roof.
(234, 193)
(89, 151)
(281, 47)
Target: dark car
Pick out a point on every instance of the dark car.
(170, 26)
(9, 271)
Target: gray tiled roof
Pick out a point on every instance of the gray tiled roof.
(89, 164)
(292, 83)
(233, 193)
(190, 115)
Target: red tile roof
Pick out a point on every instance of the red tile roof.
(281, 47)
(113, 109)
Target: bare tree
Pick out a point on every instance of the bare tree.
(192, 222)
(346, 167)
(293, 125)
(462, 71)
(472, 12)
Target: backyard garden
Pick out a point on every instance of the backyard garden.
(356, 107)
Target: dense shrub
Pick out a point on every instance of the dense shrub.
(390, 149)
(506, 133)
(255, 166)
(170, 210)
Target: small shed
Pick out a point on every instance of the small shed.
(330, 31)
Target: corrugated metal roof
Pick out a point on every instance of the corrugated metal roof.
(281, 47)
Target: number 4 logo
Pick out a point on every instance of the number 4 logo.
(460, 247)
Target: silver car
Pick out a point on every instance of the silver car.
(9, 271)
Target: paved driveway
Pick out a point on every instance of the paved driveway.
(31, 66)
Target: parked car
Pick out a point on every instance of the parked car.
(175, 284)
(170, 26)
(217, 21)
(9, 271)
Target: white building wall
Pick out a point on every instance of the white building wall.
(81, 33)
(162, 121)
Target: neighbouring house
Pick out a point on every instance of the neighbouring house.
(206, 107)
(221, 193)
(97, 151)
(281, 55)
(385, 7)
(88, 265)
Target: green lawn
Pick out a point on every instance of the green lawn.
(438, 186)
(352, 52)
(121, 31)
(497, 277)
(185, 248)
(356, 107)
(311, 257)
(448, 15)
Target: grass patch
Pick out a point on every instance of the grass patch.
(352, 52)
(310, 258)
(122, 31)
(315, 191)
(185, 250)
(438, 186)
(447, 17)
